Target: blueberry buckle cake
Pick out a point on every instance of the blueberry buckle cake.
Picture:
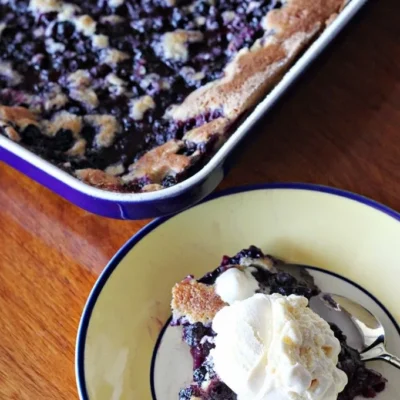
(252, 336)
(136, 95)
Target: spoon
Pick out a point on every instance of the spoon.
(364, 331)
(367, 333)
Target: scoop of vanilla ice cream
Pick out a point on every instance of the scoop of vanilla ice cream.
(235, 284)
(271, 347)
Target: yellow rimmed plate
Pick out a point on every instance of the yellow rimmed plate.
(120, 353)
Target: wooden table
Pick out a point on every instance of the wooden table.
(340, 126)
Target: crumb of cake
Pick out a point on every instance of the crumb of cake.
(152, 187)
(158, 163)
(78, 148)
(202, 133)
(195, 301)
(138, 107)
(107, 126)
(63, 120)
(98, 178)
(175, 44)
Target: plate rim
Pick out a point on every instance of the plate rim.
(130, 243)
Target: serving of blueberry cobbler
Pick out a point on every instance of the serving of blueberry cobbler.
(136, 95)
(198, 304)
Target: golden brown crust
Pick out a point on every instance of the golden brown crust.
(19, 116)
(195, 301)
(9, 131)
(156, 164)
(100, 179)
(152, 187)
(253, 71)
(159, 162)
(62, 120)
(204, 132)
(301, 16)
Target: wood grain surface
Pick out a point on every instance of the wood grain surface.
(339, 126)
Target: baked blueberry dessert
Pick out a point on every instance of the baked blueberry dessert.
(136, 95)
(252, 336)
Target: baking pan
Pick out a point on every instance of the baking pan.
(184, 194)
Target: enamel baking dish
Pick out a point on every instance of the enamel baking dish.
(184, 194)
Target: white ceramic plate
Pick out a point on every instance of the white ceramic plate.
(352, 238)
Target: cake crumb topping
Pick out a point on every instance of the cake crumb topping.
(175, 44)
(79, 78)
(86, 96)
(158, 163)
(115, 169)
(114, 56)
(107, 126)
(115, 3)
(195, 301)
(2, 27)
(78, 148)
(6, 69)
(44, 6)
(85, 24)
(100, 41)
(138, 107)
(63, 120)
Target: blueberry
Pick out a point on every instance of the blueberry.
(75, 109)
(32, 136)
(361, 380)
(178, 18)
(252, 252)
(100, 71)
(19, 6)
(128, 123)
(192, 334)
(284, 278)
(169, 181)
(199, 375)
(202, 8)
(88, 133)
(116, 111)
(63, 31)
(189, 392)
(63, 140)
(124, 71)
(73, 65)
(46, 18)
(82, 60)
(304, 291)
(124, 45)
(219, 391)
(41, 62)
(28, 48)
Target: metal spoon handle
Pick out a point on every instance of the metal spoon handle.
(391, 359)
(379, 352)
